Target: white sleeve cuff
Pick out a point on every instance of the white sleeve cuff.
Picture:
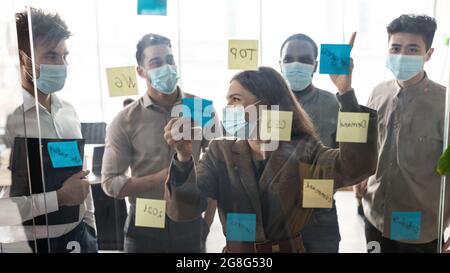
(39, 202)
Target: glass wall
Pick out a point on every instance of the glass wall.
(84, 170)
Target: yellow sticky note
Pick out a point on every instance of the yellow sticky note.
(276, 125)
(150, 213)
(243, 54)
(318, 193)
(352, 127)
(122, 81)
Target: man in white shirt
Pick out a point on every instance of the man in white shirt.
(57, 119)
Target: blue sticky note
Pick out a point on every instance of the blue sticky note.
(200, 110)
(241, 227)
(405, 226)
(335, 59)
(64, 154)
(152, 7)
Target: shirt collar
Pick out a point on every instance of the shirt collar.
(149, 102)
(29, 101)
(420, 87)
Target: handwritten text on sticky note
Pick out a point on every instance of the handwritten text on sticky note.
(64, 154)
(405, 225)
(318, 193)
(276, 125)
(352, 127)
(243, 54)
(241, 227)
(150, 213)
(335, 59)
(122, 81)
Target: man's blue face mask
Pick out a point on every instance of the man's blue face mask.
(405, 67)
(52, 77)
(298, 75)
(164, 79)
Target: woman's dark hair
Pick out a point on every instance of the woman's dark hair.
(271, 88)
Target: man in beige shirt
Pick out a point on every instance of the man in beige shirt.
(401, 200)
(135, 139)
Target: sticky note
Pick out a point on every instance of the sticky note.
(152, 7)
(352, 127)
(276, 125)
(200, 110)
(241, 227)
(64, 154)
(318, 193)
(443, 166)
(405, 225)
(243, 54)
(122, 81)
(335, 59)
(150, 213)
(447, 41)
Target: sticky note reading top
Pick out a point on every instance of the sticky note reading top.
(335, 59)
(64, 154)
(200, 110)
(405, 226)
(352, 127)
(318, 193)
(122, 81)
(241, 227)
(152, 7)
(276, 125)
(150, 213)
(243, 54)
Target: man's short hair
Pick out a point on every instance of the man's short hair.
(150, 40)
(422, 25)
(48, 29)
(301, 37)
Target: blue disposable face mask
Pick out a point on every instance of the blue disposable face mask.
(298, 75)
(234, 122)
(52, 78)
(405, 67)
(164, 79)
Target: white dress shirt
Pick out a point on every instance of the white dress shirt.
(61, 123)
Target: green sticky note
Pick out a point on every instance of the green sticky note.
(443, 166)
(446, 40)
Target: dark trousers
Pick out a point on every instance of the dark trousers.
(321, 233)
(176, 237)
(391, 246)
(82, 239)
